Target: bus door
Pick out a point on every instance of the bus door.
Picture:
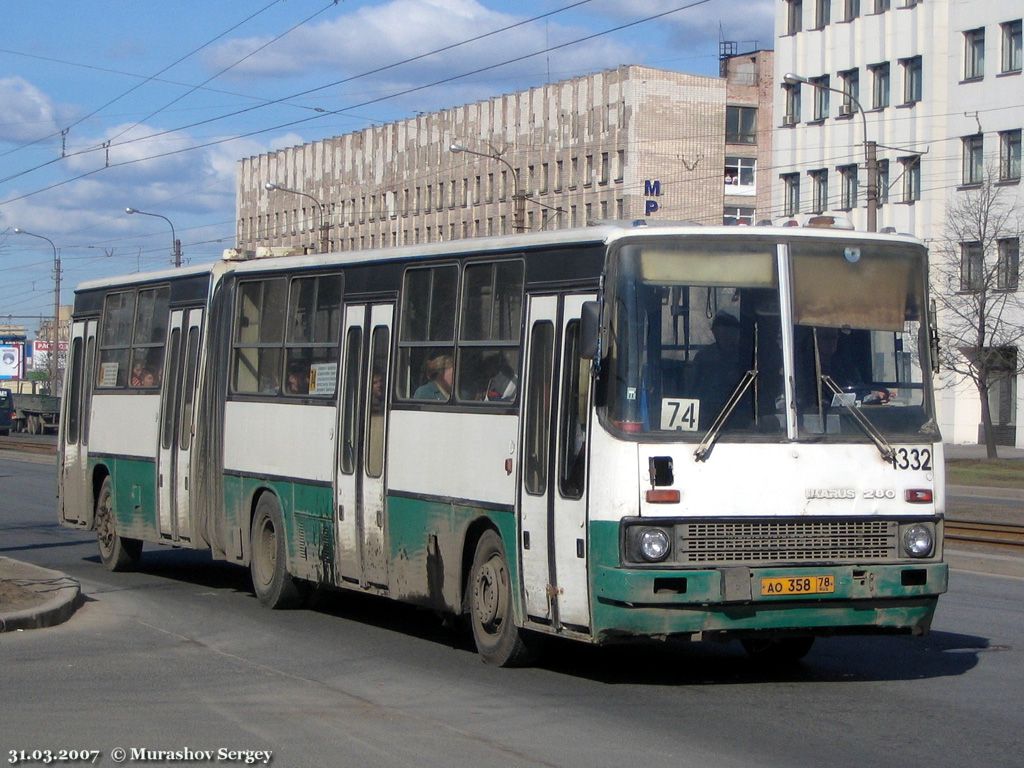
(177, 419)
(553, 506)
(362, 438)
(76, 505)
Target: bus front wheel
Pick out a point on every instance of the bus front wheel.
(268, 562)
(116, 553)
(498, 640)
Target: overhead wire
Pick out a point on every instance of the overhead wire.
(146, 80)
(288, 98)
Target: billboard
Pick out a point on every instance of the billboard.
(10, 361)
(41, 355)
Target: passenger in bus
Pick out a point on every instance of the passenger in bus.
(138, 371)
(501, 379)
(150, 378)
(717, 368)
(439, 374)
(838, 363)
(298, 380)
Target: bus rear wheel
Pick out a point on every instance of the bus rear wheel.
(268, 560)
(498, 640)
(116, 553)
(778, 650)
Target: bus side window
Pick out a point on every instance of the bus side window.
(573, 417)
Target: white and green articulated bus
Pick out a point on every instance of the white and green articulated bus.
(607, 434)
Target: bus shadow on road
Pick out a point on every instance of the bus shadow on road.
(831, 659)
(872, 658)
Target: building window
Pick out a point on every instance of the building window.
(850, 86)
(791, 115)
(882, 193)
(851, 9)
(911, 178)
(734, 215)
(605, 167)
(822, 11)
(741, 125)
(880, 85)
(974, 54)
(973, 158)
(794, 17)
(912, 79)
(972, 267)
(881, 6)
(791, 185)
(620, 163)
(740, 175)
(1011, 58)
(848, 189)
(821, 86)
(1009, 155)
(1008, 264)
(819, 190)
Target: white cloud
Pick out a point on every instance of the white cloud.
(26, 113)
(376, 36)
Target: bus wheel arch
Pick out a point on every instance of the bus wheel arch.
(489, 599)
(274, 586)
(116, 553)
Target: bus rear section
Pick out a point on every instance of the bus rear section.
(765, 464)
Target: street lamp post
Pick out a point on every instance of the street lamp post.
(870, 148)
(518, 197)
(175, 242)
(324, 233)
(55, 330)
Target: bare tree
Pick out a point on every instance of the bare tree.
(975, 278)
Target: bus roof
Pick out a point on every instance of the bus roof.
(606, 233)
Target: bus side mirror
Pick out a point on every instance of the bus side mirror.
(590, 329)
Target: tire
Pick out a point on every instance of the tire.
(116, 553)
(268, 558)
(779, 650)
(498, 640)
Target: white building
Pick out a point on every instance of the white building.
(942, 97)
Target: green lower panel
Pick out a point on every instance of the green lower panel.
(307, 511)
(429, 550)
(135, 504)
(674, 601)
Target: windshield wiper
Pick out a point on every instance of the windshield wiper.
(711, 436)
(865, 424)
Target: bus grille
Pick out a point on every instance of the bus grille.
(766, 542)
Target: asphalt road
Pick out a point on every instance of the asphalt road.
(180, 656)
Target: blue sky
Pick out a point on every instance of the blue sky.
(149, 104)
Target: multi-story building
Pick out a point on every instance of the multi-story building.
(748, 134)
(629, 143)
(934, 88)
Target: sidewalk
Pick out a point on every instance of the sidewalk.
(32, 597)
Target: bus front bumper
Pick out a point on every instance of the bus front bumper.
(665, 603)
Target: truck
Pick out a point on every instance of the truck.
(35, 414)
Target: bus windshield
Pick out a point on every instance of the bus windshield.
(696, 336)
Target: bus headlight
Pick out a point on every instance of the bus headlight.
(918, 540)
(654, 545)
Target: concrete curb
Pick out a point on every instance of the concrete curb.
(65, 596)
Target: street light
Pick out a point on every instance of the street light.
(54, 335)
(518, 197)
(324, 234)
(175, 242)
(870, 148)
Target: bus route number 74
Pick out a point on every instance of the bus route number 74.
(680, 415)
